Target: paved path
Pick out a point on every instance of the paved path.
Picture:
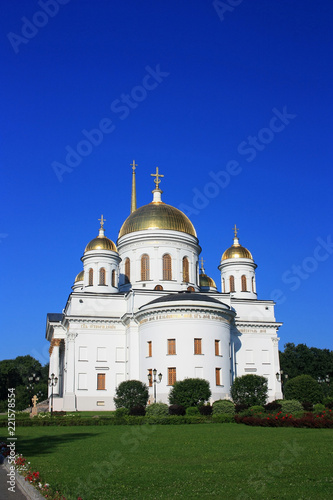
(4, 493)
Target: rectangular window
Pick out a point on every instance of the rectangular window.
(150, 372)
(171, 376)
(197, 346)
(171, 346)
(265, 357)
(82, 382)
(101, 381)
(249, 357)
(101, 353)
(217, 347)
(83, 353)
(218, 376)
(150, 348)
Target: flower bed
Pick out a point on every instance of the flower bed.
(322, 420)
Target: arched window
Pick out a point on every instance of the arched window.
(190, 289)
(127, 270)
(253, 290)
(186, 274)
(231, 283)
(145, 267)
(102, 276)
(158, 287)
(167, 270)
(91, 277)
(243, 278)
(223, 285)
(113, 278)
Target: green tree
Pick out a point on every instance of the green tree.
(190, 392)
(131, 393)
(304, 388)
(302, 360)
(250, 390)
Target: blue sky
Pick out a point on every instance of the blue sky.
(232, 100)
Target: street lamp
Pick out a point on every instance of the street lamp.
(154, 380)
(281, 377)
(31, 386)
(52, 383)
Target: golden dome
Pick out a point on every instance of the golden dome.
(79, 277)
(236, 251)
(206, 281)
(101, 242)
(157, 215)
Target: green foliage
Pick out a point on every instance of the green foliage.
(249, 389)
(190, 392)
(223, 418)
(304, 388)
(192, 410)
(318, 408)
(157, 409)
(131, 393)
(291, 406)
(257, 409)
(223, 406)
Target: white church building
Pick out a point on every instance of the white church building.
(146, 304)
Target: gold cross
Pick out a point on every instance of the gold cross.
(133, 165)
(34, 400)
(235, 230)
(102, 220)
(202, 265)
(157, 180)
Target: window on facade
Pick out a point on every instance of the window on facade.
(91, 277)
(102, 276)
(223, 285)
(127, 270)
(217, 347)
(101, 354)
(145, 267)
(218, 376)
(150, 377)
(190, 289)
(82, 381)
(113, 278)
(253, 290)
(249, 359)
(186, 273)
(244, 289)
(171, 376)
(167, 270)
(197, 346)
(101, 381)
(158, 287)
(171, 346)
(231, 283)
(150, 348)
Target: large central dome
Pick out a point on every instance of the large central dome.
(157, 215)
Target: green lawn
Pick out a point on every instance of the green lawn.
(222, 461)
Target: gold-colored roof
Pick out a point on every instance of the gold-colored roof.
(101, 243)
(236, 251)
(206, 281)
(79, 277)
(157, 215)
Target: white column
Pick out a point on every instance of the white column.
(69, 391)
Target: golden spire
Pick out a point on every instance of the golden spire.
(202, 269)
(133, 198)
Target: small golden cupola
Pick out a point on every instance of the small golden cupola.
(236, 251)
(101, 242)
(206, 283)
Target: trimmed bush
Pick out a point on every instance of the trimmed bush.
(304, 388)
(307, 406)
(273, 406)
(291, 406)
(223, 418)
(176, 410)
(240, 408)
(192, 411)
(121, 412)
(249, 389)
(157, 410)
(190, 392)
(223, 406)
(205, 410)
(328, 402)
(318, 408)
(131, 393)
(137, 411)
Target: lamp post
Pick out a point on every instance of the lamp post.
(154, 380)
(31, 386)
(281, 377)
(52, 383)
(325, 383)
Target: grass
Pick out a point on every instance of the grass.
(226, 461)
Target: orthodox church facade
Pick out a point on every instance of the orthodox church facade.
(145, 304)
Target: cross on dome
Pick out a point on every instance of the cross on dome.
(235, 228)
(133, 165)
(202, 269)
(102, 220)
(157, 180)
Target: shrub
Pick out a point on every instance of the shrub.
(157, 410)
(192, 411)
(328, 402)
(223, 406)
(304, 388)
(273, 406)
(121, 412)
(176, 410)
(257, 409)
(223, 418)
(205, 410)
(137, 411)
(307, 406)
(131, 393)
(291, 406)
(190, 392)
(240, 408)
(249, 389)
(318, 408)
